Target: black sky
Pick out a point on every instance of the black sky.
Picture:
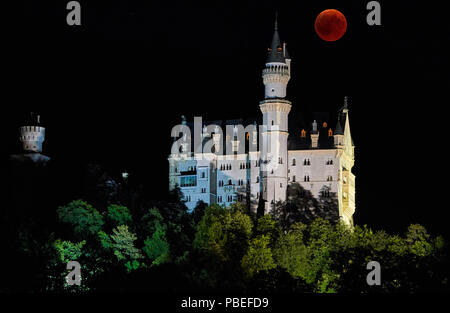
(110, 90)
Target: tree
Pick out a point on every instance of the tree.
(199, 211)
(259, 256)
(122, 245)
(82, 217)
(118, 215)
(290, 252)
(221, 240)
(157, 248)
(266, 225)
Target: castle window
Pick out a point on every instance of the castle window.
(330, 133)
(257, 179)
(306, 178)
(281, 185)
(272, 122)
(330, 162)
(293, 178)
(229, 182)
(307, 162)
(203, 174)
(293, 162)
(280, 160)
(324, 125)
(330, 178)
(219, 199)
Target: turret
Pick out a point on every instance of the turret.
(32, 135)
(277, 71)
(275, 110)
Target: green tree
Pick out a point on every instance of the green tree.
(266, 225)
(290, 252)
(118, 215)
(259, 256)
(221, 240)
(82, 217)
(122, 245)
(157, 247)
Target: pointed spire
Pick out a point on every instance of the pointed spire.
(338, 130)
(275, 51)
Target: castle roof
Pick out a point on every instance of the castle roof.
(276, 54)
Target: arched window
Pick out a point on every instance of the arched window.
(293, 162)
(330, 133)
(324, 125)
(293, 178)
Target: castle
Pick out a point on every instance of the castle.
(32, 137)
(316, 156)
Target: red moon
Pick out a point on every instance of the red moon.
(331, 25)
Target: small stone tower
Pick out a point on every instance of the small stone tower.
(32, 136)
(275, 110)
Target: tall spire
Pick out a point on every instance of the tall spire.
(276, 49)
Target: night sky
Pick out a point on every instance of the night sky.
(110, 91)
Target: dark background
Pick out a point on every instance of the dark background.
(110, 91)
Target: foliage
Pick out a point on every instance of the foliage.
(157, 247)
(118, 215)
(259, 256)
(68, 251)
(228, 249)
(123, 247)
(82, 217)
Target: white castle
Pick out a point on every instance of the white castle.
(315, 156)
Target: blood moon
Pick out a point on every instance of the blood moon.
(331, 25)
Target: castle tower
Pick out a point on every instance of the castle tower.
(346, 153)
(32, 136)
(275, 110)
